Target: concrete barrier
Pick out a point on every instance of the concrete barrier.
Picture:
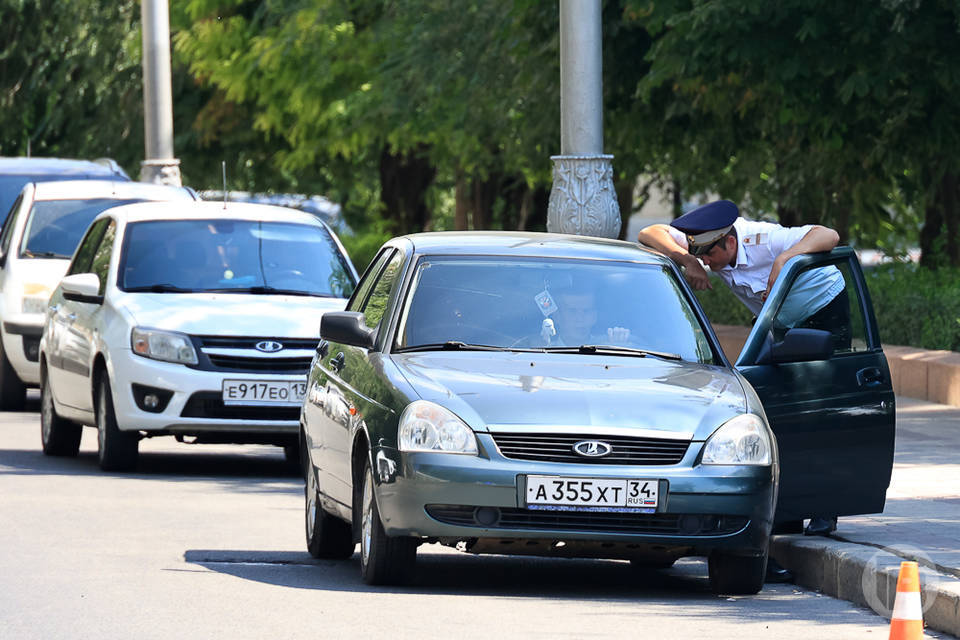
(916, 373)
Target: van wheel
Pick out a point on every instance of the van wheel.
(327, 535)
(116, 449)
(59, 436)
(735, 574)
(383, 559)
(13, 393)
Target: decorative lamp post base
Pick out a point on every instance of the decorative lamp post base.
(161, 172)
(583, 201)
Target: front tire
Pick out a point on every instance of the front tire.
(117, 450)
(327, 536)
(384, 560)
(735, 574)
(13, 393)
(59, 436)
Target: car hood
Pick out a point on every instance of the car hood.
(487, 389)
(230, 314)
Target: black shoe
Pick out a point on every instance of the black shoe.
(776, 573)
(821, 526)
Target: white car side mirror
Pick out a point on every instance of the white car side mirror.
(82, 287)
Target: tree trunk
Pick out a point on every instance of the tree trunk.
(940, 236)
(677, 200)
(461, 207)
(624, 189)
(484, 196)
(404, 180)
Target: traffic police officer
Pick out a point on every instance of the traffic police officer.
(748, 256)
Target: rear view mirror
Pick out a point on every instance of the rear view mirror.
(346, 327)
(800, 345)
(82, 287)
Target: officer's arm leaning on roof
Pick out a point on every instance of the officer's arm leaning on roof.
(719, 252)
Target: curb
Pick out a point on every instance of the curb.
(867, 576)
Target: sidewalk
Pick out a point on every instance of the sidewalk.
(921, 522)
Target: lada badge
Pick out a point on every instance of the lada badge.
(268, 346)
(592, 448)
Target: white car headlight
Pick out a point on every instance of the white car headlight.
(740, 440)
(163, 345)
(35, 304)
(425, 426)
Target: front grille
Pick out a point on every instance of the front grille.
(209, 404)
(31, 348)
(667, 524)
(249, 359)
(557, 447)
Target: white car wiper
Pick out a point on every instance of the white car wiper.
(27, 253)
(604, 349)
(451, 345)
(159, 288)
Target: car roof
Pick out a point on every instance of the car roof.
(83, 189)
(199, 210)
(519, 243)
(60, 166)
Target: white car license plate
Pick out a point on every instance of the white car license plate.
(264, 392)
(556, 493)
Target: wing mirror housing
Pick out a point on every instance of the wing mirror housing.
(347, 327)
(798, 345)
(82, 287)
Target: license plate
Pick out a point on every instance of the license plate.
(249, 392)
(555, 493)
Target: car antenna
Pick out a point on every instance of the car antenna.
(223, 166)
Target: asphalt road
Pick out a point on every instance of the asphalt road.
(207, 542)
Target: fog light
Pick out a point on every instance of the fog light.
(487, 516)
(689, 525)
(151, 401)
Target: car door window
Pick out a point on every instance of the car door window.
(100, 264)
(379, 297)
(825, 298)
(83, 258)
(370, 278)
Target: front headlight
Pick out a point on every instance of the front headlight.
(425, 426)
(741, 440)
(35, 304)
(163, 345)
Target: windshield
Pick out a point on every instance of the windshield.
(244, 256)
(55, 227)
(550, 304)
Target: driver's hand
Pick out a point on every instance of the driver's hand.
(618, 335)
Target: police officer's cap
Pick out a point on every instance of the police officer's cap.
(707, 224)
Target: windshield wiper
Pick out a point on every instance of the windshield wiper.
(604, 349)
(27, 253)
(159, 288)
(451, 345)
(267, 290)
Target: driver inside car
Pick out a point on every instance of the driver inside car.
(573, 322)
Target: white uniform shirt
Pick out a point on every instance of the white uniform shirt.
(759, 244)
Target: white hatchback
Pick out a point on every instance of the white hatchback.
(197, 320)
(39, 235)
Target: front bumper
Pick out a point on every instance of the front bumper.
(194, 408)
(21, 342)
(701, 508)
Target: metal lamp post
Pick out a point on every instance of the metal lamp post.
(583, 200)
(159, 166)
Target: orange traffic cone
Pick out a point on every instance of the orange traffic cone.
(906, 623)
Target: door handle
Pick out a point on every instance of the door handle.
(869, 377)
(336, 363)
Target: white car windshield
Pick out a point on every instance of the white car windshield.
(234, 256)
(550, 304)
(55, 227)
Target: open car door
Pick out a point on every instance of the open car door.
(827, 396)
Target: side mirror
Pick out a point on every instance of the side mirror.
(802, 345)
(346, 327)
(82, 287)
